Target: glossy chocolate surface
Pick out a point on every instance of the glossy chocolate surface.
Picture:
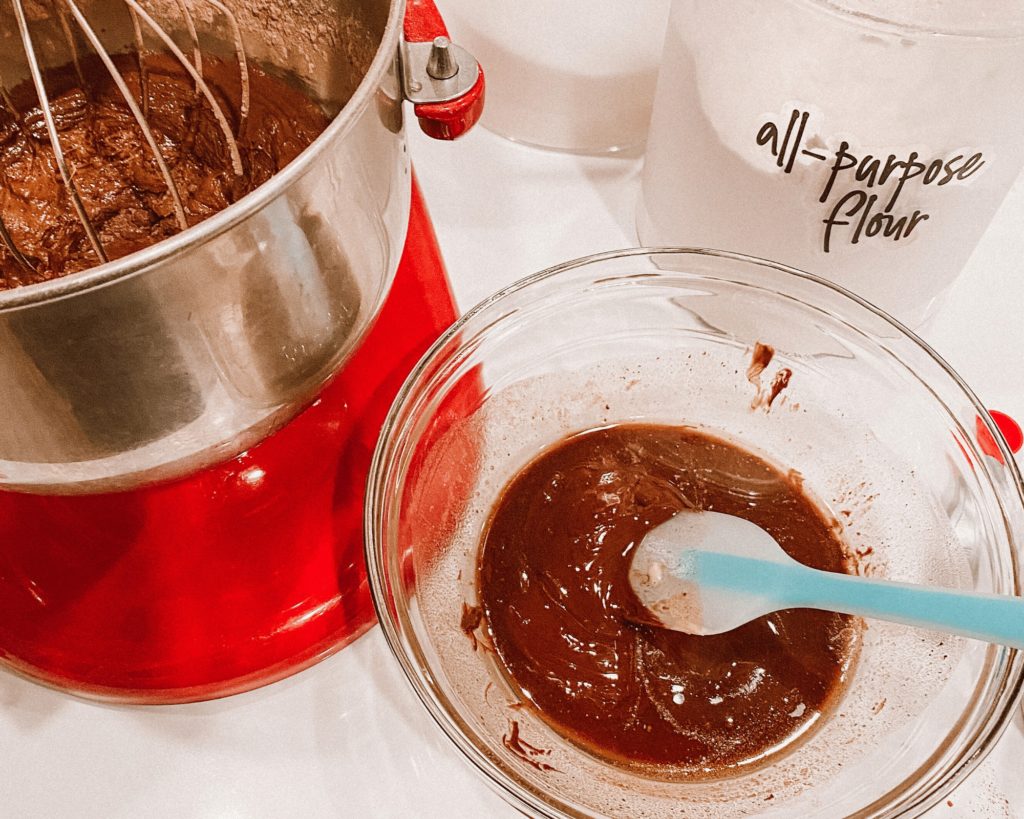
(569, 631)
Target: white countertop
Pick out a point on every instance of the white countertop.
(348, 737)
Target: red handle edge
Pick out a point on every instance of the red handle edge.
(441, 120)
(1010, 430)
(450, 120)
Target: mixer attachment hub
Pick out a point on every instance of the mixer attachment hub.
(437, 71)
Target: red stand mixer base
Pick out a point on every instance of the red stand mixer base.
(236, 576)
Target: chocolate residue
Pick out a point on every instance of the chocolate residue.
(523, 749)
(862, 560)
(759, 359)
(113, 169)
(779, 383)
(470, 621)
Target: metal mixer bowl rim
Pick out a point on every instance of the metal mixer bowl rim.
(207, 230)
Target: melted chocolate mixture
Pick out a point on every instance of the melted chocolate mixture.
(566, 625)
(117, 178)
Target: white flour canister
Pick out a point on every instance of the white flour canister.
(868, 142)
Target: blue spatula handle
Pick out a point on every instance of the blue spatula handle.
(994, 618)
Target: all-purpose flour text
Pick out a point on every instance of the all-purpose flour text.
(861, 192)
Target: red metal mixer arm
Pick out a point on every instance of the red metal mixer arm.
(423, 22)
(451, 118)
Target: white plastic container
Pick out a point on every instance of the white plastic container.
(574, 75)
(864, 141)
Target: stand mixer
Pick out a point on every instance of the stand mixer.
(155, 544)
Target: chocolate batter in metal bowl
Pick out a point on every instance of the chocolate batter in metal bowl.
(566, 415)
(202, 205)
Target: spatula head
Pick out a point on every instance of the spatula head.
(666, 571)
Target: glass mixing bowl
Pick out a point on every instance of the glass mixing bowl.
(883, 432)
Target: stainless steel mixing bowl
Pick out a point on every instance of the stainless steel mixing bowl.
(158, 364)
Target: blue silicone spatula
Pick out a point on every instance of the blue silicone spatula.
(708, 572)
